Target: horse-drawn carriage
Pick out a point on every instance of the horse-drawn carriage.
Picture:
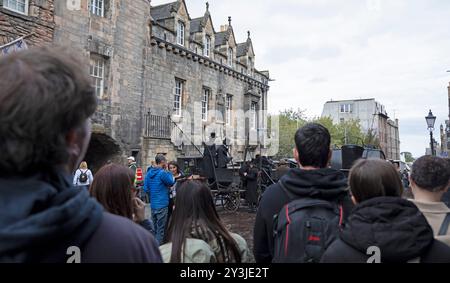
(225, 183)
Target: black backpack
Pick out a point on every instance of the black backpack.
(83, 177)
(304, 229)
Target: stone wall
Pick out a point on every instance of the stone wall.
(39, 23)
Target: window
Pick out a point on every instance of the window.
(207, 46)
(97, 7)
(19, 6)
(346, 108)
(97, 71)
(179, 86)
(205, 98)
(229, 104)
(230, 57)
(253, 108)
(180, 33)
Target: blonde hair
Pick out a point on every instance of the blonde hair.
(83, 165)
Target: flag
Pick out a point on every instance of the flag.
(15, 46)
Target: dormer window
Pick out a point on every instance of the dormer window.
(180, 33)
(207, 46)
(230, 57)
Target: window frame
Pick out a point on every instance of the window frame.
(346, 108)
(230, 57)
(178, 97)
(181, 32)
(95, 8)
(207, 46)
(228, 108)
(206, 94)
(97, 67)
(253, 110)
(26, 6)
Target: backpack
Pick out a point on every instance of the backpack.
(83, 177)
(304, 229)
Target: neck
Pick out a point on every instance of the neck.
(309, 168)
(426, 196)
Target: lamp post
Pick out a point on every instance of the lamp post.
(430, 123)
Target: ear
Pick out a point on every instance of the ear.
(354, 200)
(73, 143)
(296, 156)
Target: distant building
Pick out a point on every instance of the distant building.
(445, 131)
(372, 117)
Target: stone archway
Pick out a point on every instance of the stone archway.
(102, 149)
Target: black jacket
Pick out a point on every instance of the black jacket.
(327, 184)
(395, 226)
(42, 216)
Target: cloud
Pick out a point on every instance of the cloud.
(393, 51)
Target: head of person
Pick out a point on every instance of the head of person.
(430, 174)
(174, 168)
(83, 165)
(196, 213)
(46, 101)
(131, 160)
(312, 146)
(113, 187)
(371, 178)
(160, 161)
(396, 165)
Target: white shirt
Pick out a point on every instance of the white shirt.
(76, 178)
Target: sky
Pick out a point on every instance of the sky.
(395, 51)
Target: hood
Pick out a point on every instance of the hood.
(393, 224)
(323, 183)
(43, 212)
(154, 171)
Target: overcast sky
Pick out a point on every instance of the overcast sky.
(395, 51)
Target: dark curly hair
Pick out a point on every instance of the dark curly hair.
(44, 94)
(431, 173)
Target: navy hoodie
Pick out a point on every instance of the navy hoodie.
(326, 184)
(43, 215)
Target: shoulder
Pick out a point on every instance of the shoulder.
(341, 252)
(118, 239)
(273, 199)
(438, 253)
(246, 255)
(196, 251)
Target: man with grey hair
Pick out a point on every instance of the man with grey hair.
(157, 183)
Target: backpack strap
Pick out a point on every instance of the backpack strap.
(444, 226)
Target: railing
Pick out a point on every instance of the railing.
(159, 127)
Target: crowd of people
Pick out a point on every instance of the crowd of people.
(51, 201)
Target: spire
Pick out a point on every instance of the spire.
(229, 21)
(207, 6)
(248, 32)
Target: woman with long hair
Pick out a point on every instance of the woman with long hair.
(383, 227)
(113, 187)
(196, 229)
(177, 174)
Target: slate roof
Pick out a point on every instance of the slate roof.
(196, 25)
(241, 49)
(163, 11)
(221, 38)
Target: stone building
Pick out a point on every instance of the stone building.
(164, 80)
(29, 19)
(372, 117)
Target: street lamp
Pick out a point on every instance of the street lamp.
(430, 123)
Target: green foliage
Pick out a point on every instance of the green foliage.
(348, 132)
(408, 157)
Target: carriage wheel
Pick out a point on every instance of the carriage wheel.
(232, 201)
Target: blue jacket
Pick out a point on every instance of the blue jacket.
(157, 183)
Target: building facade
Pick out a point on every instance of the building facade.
(445, 131)
(373, 119)
(164, 81)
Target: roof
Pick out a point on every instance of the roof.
(196, 25)
(241, 49)
(350, 100)
(221, 38)
(163, 11)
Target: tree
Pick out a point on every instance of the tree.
(408, 157)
